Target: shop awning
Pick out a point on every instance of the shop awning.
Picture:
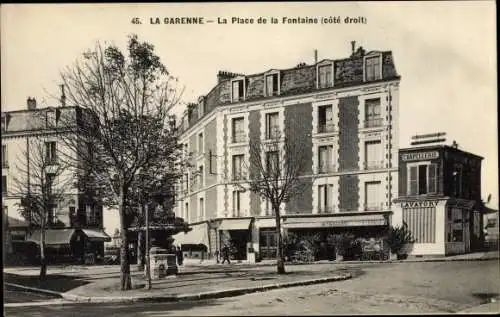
(235, 224)
(265, 223)
(96, 235)
(340, 221)
(198, 235)
(52, 236)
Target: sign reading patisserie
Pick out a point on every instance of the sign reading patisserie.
(420, 156)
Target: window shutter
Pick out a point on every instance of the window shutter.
(413, 180)
(432, 178)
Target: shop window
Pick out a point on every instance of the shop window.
(272, 126)
(238, 130)
(237, 90)
(373, 116)
(325, 78)
(373, 68)
(422, 179)
(325, 119)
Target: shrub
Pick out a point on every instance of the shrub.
(398, 237)
(344, 243)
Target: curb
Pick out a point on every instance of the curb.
(35, 290)
(192, 296)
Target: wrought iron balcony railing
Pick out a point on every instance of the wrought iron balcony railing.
(326, 127)
(324, 169)
(373, 122)
(372, 165)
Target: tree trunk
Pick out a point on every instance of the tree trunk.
(125, 280)
(43, 262)
(280, 256)
(140, 243)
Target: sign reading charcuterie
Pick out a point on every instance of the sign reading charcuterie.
(418, 156)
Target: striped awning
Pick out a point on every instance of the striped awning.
(96, 235)
(52, 236)
(198, 235)
(235, 224)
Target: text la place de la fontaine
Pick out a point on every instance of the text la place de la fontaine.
(258, 20)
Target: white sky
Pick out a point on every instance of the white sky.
(444, 51)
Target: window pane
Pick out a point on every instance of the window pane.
(373, 155)
(432, 183)
(422, 179)
(236, 91)
(269, 85)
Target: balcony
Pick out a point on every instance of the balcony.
(325, 169)
(373, 165)
(373, 123)
(374, 206)
(326, 209)
(326, 127)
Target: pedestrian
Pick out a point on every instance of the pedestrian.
(180, 256)
(225, 254)
(217, 256)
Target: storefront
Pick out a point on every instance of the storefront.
(195, 243)
(236, 234)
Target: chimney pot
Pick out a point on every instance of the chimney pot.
(315, 56)
(31, 103)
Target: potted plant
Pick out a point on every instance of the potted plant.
(399, 239)
(342, 242)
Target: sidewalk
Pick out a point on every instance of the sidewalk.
(202, 285)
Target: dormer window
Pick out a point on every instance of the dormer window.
(272, 87)
(373, 67)
(238, 90)
(201, 107)
(325, 76)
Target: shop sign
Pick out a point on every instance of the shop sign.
(420, 156)
(423, 203)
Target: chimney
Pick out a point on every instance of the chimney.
(315, 56)
(353, 47)
(31, 103)
(63, 96)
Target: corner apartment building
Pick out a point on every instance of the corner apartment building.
(75, 219)
(346, 113)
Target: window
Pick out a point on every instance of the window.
(4, 184)
(325, 200)
(372, 196)
(90, 213)
(269, 211)
(422, 179)
(272, 163)
(325, 76)
(325, 119)
(186, 182)
(51, 217)
(51, 118)
(373, 155)
(457, 181)
(372, 68)
(202, 209)
(186, 212)
(5, 160)
(456, 225)
(200, 143)
(237, 90)
(237, 166)
(50, 152)
(236, 203)
(238, 130)
(272, 85)
(200, 176)
(50, 178)
(325, 160)
(372, 113)
(272, 126)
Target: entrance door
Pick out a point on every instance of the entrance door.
(268, 244)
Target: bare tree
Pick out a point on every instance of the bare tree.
(125, 129)
(42, 182)
(276, 166)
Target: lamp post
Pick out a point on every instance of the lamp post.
(148, 268)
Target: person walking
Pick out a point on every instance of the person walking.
(180, 256)
(225, 254)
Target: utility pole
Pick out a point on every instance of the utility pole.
(148, 268)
